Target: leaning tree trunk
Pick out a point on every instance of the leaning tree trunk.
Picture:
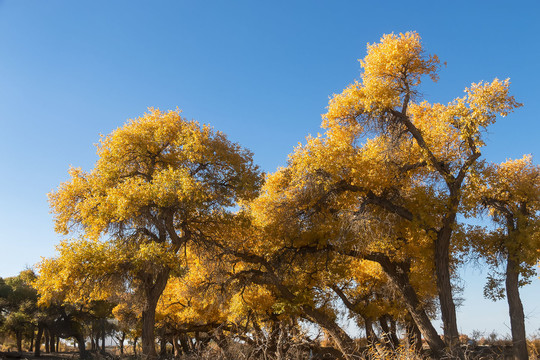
(515, 307)
(345, 344)
(399, 280)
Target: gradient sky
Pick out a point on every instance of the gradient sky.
(261, 72)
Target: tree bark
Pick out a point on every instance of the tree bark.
(345, 344)
(153, 293)
(515, 307)
(444, 285)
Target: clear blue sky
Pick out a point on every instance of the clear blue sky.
(261, 72)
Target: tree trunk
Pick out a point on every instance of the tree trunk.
(148, 323)
(103, 335)
(399, 280)
(370, 333)
(414, 337)
(393, 331)
(388, 326)
(92, 338)
(32, 337)
(121, 341)
(515, 307)
(184, 342)
(385, 335)
(177, 346)
(162, 346)
(82, 346)
(57, 343)
(18, 335)
(37, 347)
(47, 341)
(52, 343)
(444, 285)
(135, 346)
(153, 293)
(345, 344)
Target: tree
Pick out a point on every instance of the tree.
(435, 146)
(510, 193)
(18, 302)
(385, 182)
(160, 182)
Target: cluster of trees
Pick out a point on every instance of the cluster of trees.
(187, 241)
(34, 327)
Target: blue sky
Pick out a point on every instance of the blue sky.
(261, 72)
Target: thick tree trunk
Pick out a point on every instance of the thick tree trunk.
(515, 307)
(82, 346)
(345, 344)
(148, 323)
(153, 293)
(37, 347)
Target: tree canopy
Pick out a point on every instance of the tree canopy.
(176, 227)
